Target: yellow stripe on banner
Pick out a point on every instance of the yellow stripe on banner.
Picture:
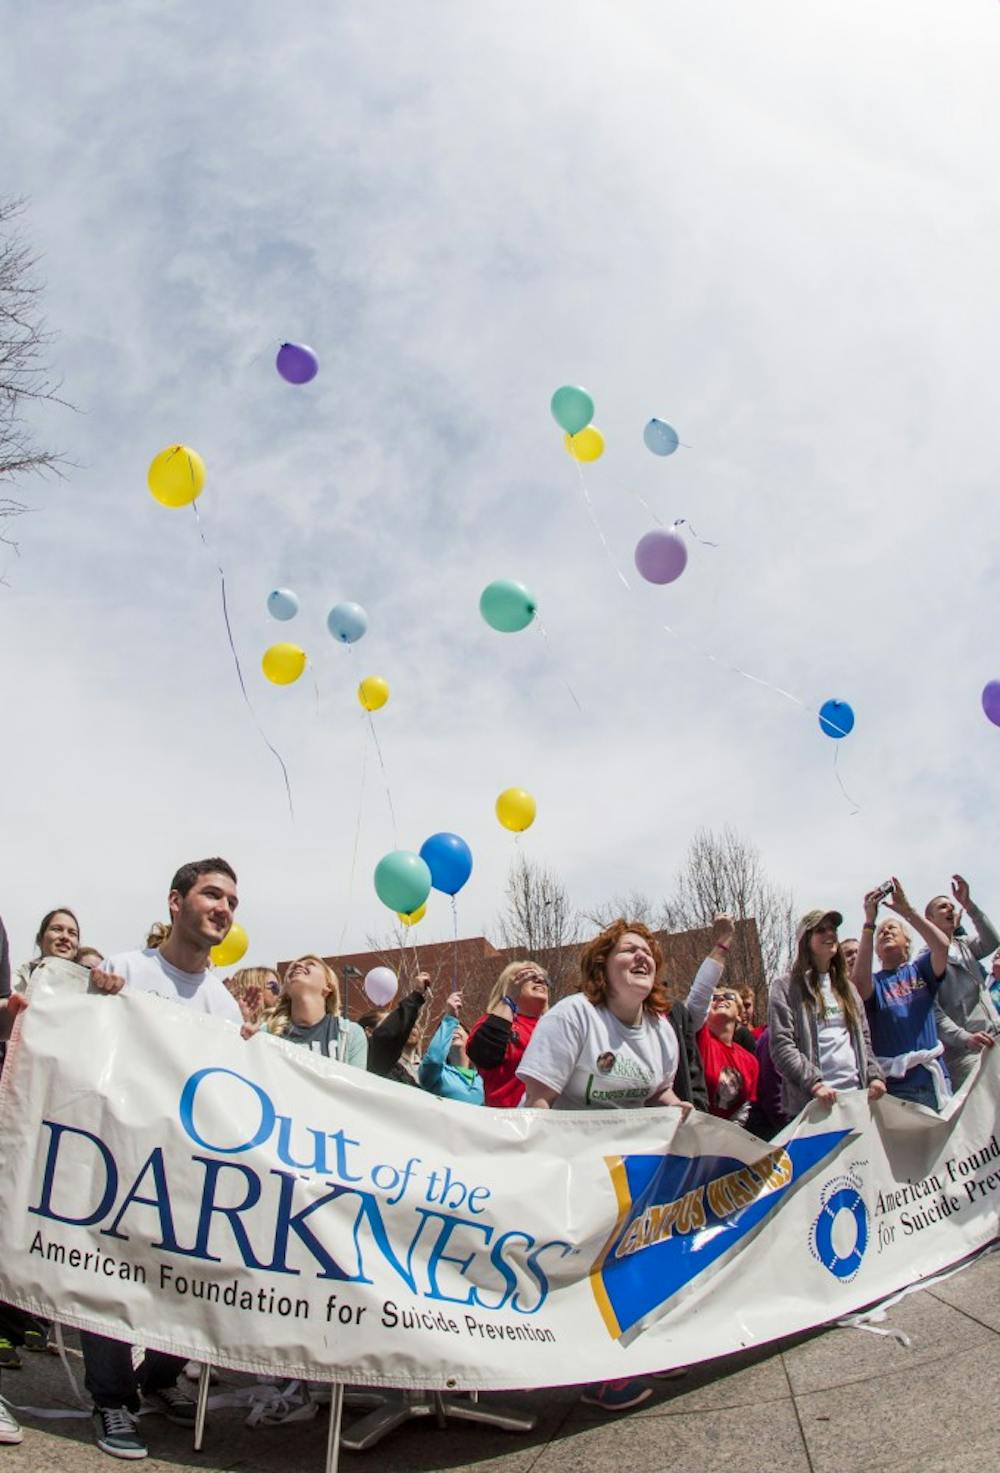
(619, 1181)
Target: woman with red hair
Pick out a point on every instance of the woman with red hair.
(610, 1046)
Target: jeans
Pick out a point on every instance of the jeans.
(110, 1377)
(914, 1090)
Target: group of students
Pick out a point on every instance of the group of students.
(912, 1026)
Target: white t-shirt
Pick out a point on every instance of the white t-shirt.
(836, 1052)
(146, 971)
(595, 1061)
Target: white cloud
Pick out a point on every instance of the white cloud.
(769, 225)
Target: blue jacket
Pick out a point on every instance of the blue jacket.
(444, 1079)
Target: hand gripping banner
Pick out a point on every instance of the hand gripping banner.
(254, 1205)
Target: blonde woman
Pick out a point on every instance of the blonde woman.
(308, 1012)
(497, 1041)
(256, 989)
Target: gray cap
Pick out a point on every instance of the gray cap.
(814, 918)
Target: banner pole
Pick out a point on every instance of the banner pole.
(333, 1435)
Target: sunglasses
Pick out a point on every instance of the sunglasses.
(725, 997)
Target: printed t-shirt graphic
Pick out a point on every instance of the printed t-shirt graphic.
(730, 1074)
(901, 1012)
(597, 1062)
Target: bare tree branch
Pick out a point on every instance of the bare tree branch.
(24, 344)
(725, 872)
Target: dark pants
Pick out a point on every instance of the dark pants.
(915, 1090)
(110, 1377)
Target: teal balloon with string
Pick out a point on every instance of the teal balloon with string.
(402, 881)
(572, 408)
(507, 606)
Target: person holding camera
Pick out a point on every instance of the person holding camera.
(967, 1017)
(899, 997)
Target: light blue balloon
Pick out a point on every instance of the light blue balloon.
(660, 437)
(282, 604)
(347, 622)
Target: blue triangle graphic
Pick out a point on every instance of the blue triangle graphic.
(680, 1214)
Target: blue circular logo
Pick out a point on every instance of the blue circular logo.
(844, 1265)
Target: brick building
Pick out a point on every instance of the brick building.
(476, 964)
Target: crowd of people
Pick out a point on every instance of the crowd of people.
(862, 1013)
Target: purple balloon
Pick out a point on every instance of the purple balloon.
(296, 363)
(991, 701)
(661, 556)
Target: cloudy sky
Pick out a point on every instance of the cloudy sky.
(773, 225)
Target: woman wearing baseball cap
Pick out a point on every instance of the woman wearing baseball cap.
(817, 1027)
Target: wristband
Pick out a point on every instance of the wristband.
(868, 926)
(510, 1003)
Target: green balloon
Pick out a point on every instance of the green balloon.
(507, 606)
(572, 409)
(402, 881)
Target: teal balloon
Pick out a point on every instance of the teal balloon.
(507, 606)
(572, 409)
(402, 881)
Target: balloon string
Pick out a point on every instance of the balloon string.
(357, 839)
(236, 661)
(385, 776)
(596, 524)
(542, 631)
(315, 682)
(454, 960)
(683, 522)
(767, 685)
(836, 772)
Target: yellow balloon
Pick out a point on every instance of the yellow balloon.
(586, 444)
(373, 692)
(283, 663)
(176, 475)
(233, 949)
(414, 916)
(516, 809)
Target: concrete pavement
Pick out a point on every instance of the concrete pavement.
(834, 1401)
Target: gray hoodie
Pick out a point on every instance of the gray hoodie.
(963, 1005)
(794, 1043)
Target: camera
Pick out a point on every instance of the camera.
(884, 891)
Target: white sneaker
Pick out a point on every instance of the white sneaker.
(10, 1427)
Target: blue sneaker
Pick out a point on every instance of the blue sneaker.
(617, 1396)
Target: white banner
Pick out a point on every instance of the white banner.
(254, 1205)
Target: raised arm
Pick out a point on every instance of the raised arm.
(987, 939)
(433, 1062)
(936, 940)
(707, 977)
(861, 976)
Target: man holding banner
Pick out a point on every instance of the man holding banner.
(202, 904)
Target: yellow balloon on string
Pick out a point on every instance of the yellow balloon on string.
(516, 809)
(176, 475)
(373, 692)
(414, 915)
(586, 444)
(283, 663)
(232, 949)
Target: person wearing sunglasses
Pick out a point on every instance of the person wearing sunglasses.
(497, 1041)
(818, 1033)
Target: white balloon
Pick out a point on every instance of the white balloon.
(380, 986)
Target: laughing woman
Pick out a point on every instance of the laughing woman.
(608, 1047)
(308, 1013)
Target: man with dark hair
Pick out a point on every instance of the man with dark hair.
(202, 903)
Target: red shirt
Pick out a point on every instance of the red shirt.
(730, 1074)
(501, 1086)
